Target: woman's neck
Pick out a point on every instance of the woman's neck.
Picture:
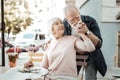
(58, 37)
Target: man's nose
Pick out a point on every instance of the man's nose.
(74, 24)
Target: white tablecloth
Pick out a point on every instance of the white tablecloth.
(14, 74)
(2, 70)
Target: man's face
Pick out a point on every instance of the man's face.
(73, 17)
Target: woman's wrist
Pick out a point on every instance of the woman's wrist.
(88, 32)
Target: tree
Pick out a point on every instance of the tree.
(16, 16)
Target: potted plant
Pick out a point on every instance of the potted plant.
(12, 57)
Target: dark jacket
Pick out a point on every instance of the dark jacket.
(96, 55)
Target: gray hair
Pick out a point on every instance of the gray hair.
(69, 8)
(70, 2)
(50, 25)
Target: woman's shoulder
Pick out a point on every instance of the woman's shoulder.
(70, 37)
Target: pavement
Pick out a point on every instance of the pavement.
(111, 74)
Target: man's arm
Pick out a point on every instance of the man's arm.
(96, 37)
(88, 25)
(91, 29)
(96, 41)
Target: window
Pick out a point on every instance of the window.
(112, 8)
(81, 3)
(41, 36)
(118, 2)
(36, 36)
(118, 16)
(28, 36)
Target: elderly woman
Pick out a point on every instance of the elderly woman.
(60, 57)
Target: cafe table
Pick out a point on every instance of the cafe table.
(16, 74)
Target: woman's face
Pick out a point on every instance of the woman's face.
(58, 28)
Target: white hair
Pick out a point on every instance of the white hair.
(50, 25)
(69, 8)
(70, 2)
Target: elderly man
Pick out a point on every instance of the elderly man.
(76, 23)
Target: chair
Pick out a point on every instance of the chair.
(83, 58)
(82, 63)
(36, 57)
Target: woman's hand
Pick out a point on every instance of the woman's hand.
(82, 28)
(83, 37)
(28, 64)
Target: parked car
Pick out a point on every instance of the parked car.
(32, 48)
(11, 40)
(15, 50)
(6, 40)
(7, 44)
(25, 39)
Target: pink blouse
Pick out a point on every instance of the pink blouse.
(60, 56)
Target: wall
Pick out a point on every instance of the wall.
(108, 30)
